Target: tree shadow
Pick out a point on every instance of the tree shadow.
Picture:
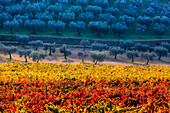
(68, 61)
(119, 60)
(84, 63)
(164, 61)
(52, 58)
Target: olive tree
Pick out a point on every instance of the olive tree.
(96, 10)
(159, 28)
(99, 46)
(115, 51)
(113, 11)
(9, 50)
(99, 27)
(127, 19)
(142, 47)
(119, 28)
(76, 9)
(126, 45)
(33, 9)
(97, 56)
(132, 55)
(24, 52)
(86, 17)
(84, 43)
(38, 56)
(57, 8)
(141, 28)
(109, 18)
(4, 17)
(148, 56)
(59, 25)
(36, 44)
(35, 25)
(149, 12)
(145, 20)
(67, 16)
(51, 47)
(82, 55)
(166, 45)
(79, 26)
(23, 39)
(64, 50)
(161, 52)
(14, 24)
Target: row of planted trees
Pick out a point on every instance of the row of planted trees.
(101, 16)
(133, 51)
(98, 53)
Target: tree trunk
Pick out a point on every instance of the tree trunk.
(11, 32)
(119, 35)
(96, 62)
(78, 32)
(23, 24)
(33, 16)
(84, 48)
(56, 31)
(33, 31)
(98, 33)
(115, 56)
(26, 58)
(82, 59)
(37, 60)
(50, 50)
(10, 56)
(147, 62)
(65, 56)
(36, 48)
(1, 25)
(159, 58)
(132, 58)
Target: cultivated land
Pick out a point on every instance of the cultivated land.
(50, 36)
(57, 57)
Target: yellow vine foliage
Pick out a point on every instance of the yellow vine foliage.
(83, 88)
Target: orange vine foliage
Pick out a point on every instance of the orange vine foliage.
(84, 88)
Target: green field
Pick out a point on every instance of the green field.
(67, 33)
